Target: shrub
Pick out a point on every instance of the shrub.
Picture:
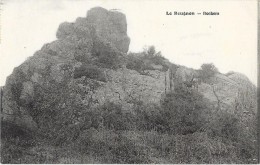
(106, 55)
(90, 71)
(150, 51)
(182, 108)
(56, 110)
(150, 118)
(159, 60)
(145, 60)
(209, 67)
(15, 140)
(224, 125)
(110, 60)
(155, 57)
(114, 118)
(207, 71)
(135, 63)
(233, 132)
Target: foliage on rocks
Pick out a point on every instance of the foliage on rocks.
(146, 60)
(107, 56)
(207, 71)
(90, 71)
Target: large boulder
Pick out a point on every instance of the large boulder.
(110, 26)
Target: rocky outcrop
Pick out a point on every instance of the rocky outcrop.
(111, 27)
(50, 72)
(230, 95)
(125, 86)
(84, 68)
(232, 92)
(99, 27)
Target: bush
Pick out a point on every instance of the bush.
(56, 110)
(183, 109)
(109, 60)
(155, 57)
(224, 125)
(209, 67)
(114, 118)
(233, 132)
(90, 71)
(135, 63)
(15, 141)
(207, 71)
(150, 51)
(150, 118)
(106, 56)
(145, 60)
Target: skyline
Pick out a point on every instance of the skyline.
(228, 40)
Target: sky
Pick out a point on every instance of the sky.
(228, 40)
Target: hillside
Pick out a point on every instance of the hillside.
(84, 99)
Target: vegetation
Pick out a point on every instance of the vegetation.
(15, 142)
(207, 71)
(90, 71)
(61, 88)
(106, 56)
(182, 129)
(146, 60)
(183, 109)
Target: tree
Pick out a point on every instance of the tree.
(207, 71)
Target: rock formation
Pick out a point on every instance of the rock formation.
(85, 67)
(86, 42)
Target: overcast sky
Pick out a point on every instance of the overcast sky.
(228, 40)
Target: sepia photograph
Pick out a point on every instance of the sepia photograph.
(128, 82)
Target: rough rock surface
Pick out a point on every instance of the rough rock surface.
(232, 96)
(110, 26)
(233, 92)
(54, 65)
(50, 74)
